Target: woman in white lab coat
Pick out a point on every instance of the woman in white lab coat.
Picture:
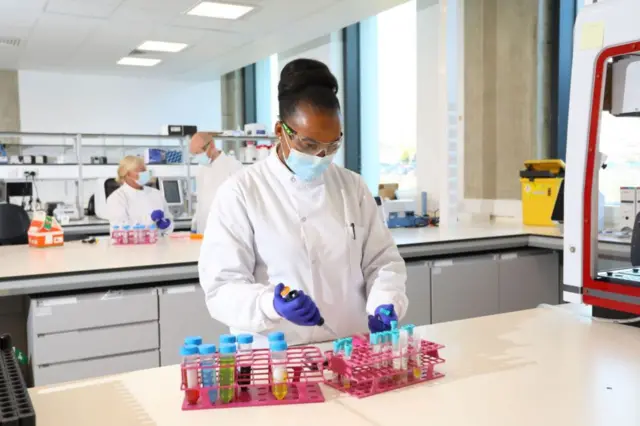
(135, 202)
(298, 219)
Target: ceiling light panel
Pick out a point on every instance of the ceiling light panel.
(139, 62)
(161, 46)
(219, 10)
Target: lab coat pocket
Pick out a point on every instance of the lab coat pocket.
(355, 241)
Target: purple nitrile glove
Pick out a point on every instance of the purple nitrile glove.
(163, 224)
(157, 215)
(381, 321)
(300, 310)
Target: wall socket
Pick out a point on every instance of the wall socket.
(30, 174)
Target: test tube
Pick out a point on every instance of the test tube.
(374, 339)
(404, 348)
(189, 355)
(414, 347)
(279, 368)
(208, 370)
(394, 325)
(152, 233)
(245, 343)
(125, 233)
(348, 349)
(227, 372)
(397, 353)
(386, 349)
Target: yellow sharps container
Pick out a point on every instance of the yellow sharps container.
(540, 181)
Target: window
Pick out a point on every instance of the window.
(620, 141)
(389, 123)
(267, 77)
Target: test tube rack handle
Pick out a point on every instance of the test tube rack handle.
(16, 408)
(369, 373)
(304, 375)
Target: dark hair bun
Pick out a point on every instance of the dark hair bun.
(300, 74)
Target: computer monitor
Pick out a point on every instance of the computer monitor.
(173, 191)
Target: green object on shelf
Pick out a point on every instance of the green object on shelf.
(20, 356)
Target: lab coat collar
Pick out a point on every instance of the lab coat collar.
(219, 159)
(285, 175)
(132, 190)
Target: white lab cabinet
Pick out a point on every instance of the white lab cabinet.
(183, 312)
(87, 335)
(418, 293)
(464, 287)
(528, 278)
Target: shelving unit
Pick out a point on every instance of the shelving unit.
(80, 171)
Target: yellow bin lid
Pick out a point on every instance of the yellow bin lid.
(550, 168)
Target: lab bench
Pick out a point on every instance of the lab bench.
(501, 370)
(93, 310)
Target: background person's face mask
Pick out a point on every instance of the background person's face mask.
(203, 159)
(143, 178)
(307, 167)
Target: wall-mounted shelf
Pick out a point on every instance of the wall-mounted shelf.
(80, 171)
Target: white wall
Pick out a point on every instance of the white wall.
(104, 104)
(327, 49)
(57, 103)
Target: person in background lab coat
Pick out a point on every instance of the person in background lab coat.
(298, 219)
(215, 167)
(135, 202)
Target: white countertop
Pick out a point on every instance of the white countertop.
(76, 257)
(544, 366)
(21, 261)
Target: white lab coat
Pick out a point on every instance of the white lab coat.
(129, 205)
(208, 179)
(268, 227)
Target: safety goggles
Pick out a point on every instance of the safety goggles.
(309, 146)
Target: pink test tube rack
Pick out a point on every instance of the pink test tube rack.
(368, 373)
(304, 374)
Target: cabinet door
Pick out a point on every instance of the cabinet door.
(183, 312)
(528, 279)
(418, 293)
(464, 288)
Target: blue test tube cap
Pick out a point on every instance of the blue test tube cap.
(276, 336)
(193, 340)
(395, 337)
(207, 349)
(409, 328)
(245, 339)
(226, 339)
(188, 350)
(348, 349)
(228, 349)
(374, 338)
(278, 346)
(394, 325)
(336, 346)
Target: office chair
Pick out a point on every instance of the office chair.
(14, 224)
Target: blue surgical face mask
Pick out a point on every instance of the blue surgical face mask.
(307, 167)
(143, 178)
(203, 159)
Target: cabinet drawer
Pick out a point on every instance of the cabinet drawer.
(79, 370)
(464, 288)
(67, 313)
(183, 312)
(100, 342)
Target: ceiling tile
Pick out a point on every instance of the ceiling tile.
(83, 8)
